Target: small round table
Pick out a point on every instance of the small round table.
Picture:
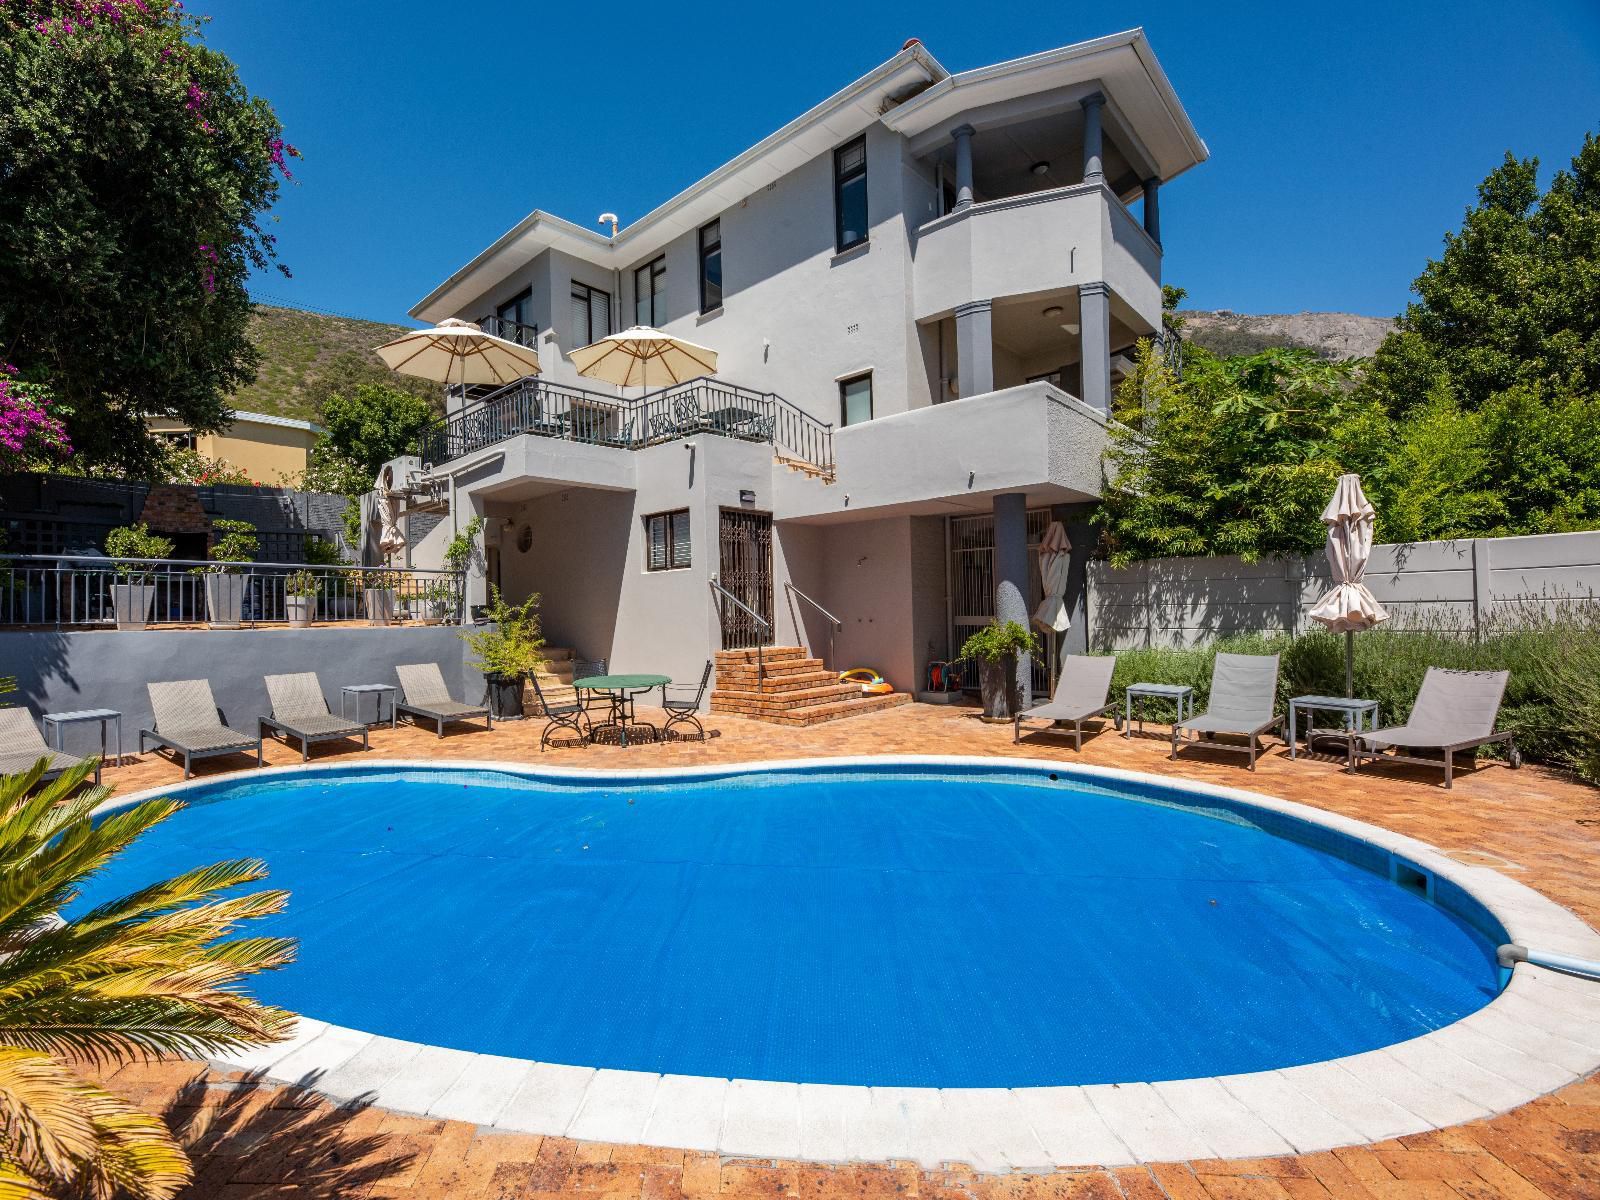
(621, 690)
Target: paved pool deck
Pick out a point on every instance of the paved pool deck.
(257, 1139)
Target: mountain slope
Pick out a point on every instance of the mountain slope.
(303, 354)
(1332, 335)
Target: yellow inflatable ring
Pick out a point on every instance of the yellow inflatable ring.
(871, 683)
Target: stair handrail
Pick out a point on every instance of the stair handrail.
(834, 624)
(718, 592)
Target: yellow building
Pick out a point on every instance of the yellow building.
(264, 447)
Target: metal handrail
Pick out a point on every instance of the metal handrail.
(834, 624)
(719, 592)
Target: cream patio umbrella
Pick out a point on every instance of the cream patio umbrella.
(641, 356)
(459, 352)
(1055, 565)
(1348, 606)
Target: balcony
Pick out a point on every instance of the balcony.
(1035, 243)
(511, 331)
(538, 408)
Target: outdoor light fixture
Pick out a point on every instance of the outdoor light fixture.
(1040, 168)
(1054, 311)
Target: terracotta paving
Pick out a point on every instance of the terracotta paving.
(256, 1140)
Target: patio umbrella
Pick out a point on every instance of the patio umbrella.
(459, 352)
(391, 539)
(1349, 607)
(640, 356)
(1055, 564)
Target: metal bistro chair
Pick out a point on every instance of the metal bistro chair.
(571, 715)
(592, 702)
(684, 711)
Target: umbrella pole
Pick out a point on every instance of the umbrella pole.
(1349, 663)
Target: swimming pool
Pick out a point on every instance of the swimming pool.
(894, 924)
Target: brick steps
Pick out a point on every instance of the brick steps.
(784, 686)
(555, 680)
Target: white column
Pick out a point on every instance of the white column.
(963, 139)
(1093, 150)
(1094, 334)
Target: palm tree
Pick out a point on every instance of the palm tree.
(154, 973)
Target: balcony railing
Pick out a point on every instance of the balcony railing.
(544, 409)
(58, 591)
(511, 331)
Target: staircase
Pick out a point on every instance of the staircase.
(794, 690)
(555, 678)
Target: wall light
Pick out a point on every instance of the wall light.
(1054, 311)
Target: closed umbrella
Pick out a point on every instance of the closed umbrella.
(391, 540)
(1349, 606)
(641, 356)
(1055, 565)
(459, 352)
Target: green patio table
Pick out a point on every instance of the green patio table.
(621, 689)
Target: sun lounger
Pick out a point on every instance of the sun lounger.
(22, 745)
(1455, 710)
(427, 696)
(1082, 693)
(1244, 692)
(187, 722)
(299, 710)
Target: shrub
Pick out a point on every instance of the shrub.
(135, 542)
(996, 641)
(509, 647)
(237, 543)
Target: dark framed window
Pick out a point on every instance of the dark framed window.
(514, 320)
(650, 293)
(855, 399)
(666, 541)
(591, 314)
(711, 266)
(850, 193)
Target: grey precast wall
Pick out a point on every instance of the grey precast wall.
(64, 671)
(1450, 586)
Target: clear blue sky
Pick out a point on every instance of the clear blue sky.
(1345, 139)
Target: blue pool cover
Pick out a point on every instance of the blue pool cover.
(881, 926)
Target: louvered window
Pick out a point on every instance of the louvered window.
(667, 540)
(591, 314)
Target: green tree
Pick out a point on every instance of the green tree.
(1238, 456)
(364, 428)
(152, 973)
(135, 173)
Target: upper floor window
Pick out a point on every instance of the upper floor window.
(850, 193)
(514, 320)
(667, 541)
(650, 293)
(591, 314)
(855, 399)
(711, 266)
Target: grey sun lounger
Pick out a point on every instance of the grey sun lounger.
(427, 696)
(1244, 691)
(300, 711)
(1455, 710)
(22, 745)
(1082, 692)
(187, 722)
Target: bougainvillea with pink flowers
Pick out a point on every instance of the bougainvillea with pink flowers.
(139, 178)
(31, 435)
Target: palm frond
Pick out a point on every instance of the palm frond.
(45, 1128)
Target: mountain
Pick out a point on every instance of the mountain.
(1332, 335)
(304, 354)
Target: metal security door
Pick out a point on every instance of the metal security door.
(744, 543)
(972, 583)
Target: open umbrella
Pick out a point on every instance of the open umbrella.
(459, 352)
(1055, 564)
(1348, 606)
(640, 356)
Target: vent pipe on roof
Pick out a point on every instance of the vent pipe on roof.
(608, 216)
(910, 42)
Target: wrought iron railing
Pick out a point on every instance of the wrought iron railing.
(511, 331)
(834, 624)
(61, 591)
(705, 405)
(721, 597)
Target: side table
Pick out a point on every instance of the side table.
(54, 722)
(359, 690)
(1180, 693)
(1360, 716)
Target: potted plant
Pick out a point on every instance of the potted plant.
(440, 600)
(378, 588)
(507, 651)
(136, 590)
(300, 597)
(996, 647)
(458, 552)
(236, 543)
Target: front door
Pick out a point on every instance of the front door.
(744, 541)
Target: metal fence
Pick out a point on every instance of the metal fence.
(57, 591)
(705, 405)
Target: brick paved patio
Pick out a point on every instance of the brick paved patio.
(260, 1140)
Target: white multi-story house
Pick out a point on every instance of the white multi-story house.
(921, 292)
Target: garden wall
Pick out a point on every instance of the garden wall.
(63, 671)
(1454, 587)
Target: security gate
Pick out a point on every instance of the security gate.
(744, 541)
(972, 584)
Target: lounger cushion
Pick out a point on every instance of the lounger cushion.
(212, 737)
(449, 710)
(320, 725)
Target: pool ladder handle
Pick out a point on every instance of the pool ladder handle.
(1511, 954)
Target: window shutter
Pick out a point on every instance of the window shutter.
(680, 539)
(582, 335)
(599, 315)
(658, 543)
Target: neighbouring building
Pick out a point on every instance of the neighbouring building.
(267, 448)
(922, 292)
